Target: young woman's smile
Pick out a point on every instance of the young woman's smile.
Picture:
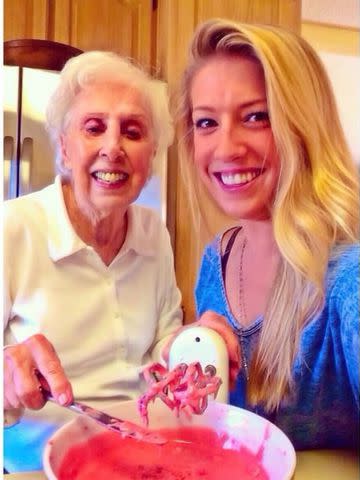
(233, 143)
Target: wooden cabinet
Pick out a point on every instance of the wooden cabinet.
(124, 26)
(156, 33)
(26, 19)
(276, 12)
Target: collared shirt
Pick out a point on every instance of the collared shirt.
(105, 322)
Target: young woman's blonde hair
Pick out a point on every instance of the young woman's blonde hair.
(98, 66)
(316, 205)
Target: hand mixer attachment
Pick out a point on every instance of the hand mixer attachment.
(198, 369)
(186, 388)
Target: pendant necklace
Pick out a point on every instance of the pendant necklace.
(243, 316)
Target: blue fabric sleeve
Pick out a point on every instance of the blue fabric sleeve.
(209, 289)
(204, 270)
(347, 288)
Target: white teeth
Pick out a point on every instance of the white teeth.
(238, 178)
(110, 177)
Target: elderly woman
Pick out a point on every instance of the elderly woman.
(261, 134)
(90, 290)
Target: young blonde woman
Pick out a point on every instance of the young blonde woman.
(259, 130)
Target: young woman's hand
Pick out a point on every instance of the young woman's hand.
(220, 325)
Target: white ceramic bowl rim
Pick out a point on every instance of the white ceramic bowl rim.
(242, 427)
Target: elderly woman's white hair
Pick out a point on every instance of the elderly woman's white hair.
(93, 66)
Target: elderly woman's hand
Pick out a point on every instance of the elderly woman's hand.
(24, 365)
(219, 324)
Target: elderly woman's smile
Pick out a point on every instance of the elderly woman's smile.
(110, 178)
(108, 146)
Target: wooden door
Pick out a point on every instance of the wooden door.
(26, 19)
(177, 20)
(123, 26)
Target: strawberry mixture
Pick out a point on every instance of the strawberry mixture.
(200, 455)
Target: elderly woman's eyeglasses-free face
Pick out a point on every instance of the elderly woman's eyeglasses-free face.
(108, 145)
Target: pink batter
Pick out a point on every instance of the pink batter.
(109, 456)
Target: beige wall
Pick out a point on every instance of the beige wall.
(339, 48)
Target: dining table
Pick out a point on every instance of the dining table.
(310, 465)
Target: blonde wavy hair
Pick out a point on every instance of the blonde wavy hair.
(316, 205)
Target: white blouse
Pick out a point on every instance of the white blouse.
(105, 322)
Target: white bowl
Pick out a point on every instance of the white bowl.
(243, 428)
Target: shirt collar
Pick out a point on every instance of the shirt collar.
(140, 236)
(63, 240)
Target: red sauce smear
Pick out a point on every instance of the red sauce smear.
(109, 456)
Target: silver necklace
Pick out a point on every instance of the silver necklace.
(242, 306)
(242, 309)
